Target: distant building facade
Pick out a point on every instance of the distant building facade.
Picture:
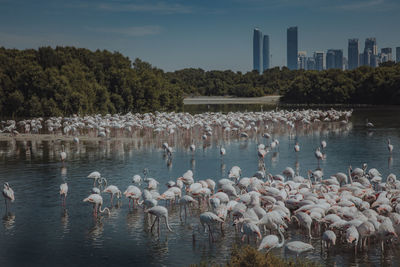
(311, 63)
(292, 48)
(265, 51)
(353, 54)
(397, 54)
(257, 42)
(302, 60)
(319, 60)
(386, 54)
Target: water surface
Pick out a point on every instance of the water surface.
(39, 232)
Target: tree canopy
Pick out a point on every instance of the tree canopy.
(68, 80)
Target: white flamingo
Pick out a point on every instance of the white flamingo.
(272, 241)
(8, 194)
(97, 202)
(159, 212)
(64, 191)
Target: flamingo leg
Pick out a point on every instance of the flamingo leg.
(152, 225)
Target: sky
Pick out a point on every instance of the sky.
(212, 35)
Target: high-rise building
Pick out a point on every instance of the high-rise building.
(292, 48)
(319, 60)
(370, 43)
(257, 42)
(367, 57)
(265, 52)
(397, 54)
(386, 54)
(334, 59)
(330, 59)
(302, 60)
(310, 63)
(353, 54)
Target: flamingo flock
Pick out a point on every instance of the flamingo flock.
(352, 207)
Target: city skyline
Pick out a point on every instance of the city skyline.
(200, 34)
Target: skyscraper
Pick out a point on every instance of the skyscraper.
(386, 53)
(302, 60)
(370, 52)
(353, 54)
(397, 54)
(310, 63)
(257, 39)
(330, 59)
(370, 43)
(319, 60)
(334, 59)
(292, 48)
(265, 52)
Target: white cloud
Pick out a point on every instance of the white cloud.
(159, 7)
(362, 4)
(133, 31)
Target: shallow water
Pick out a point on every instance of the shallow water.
(38, 232)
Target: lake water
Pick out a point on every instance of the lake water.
(39, 232)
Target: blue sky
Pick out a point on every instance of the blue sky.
(199, 33)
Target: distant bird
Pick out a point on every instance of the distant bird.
(318, 155)
(8, 194)
(296, 147)
(369, 124)
(389, 146)
(192, 147)
(63, 154)
(323, 144)
(76, 140)
(222, 151)
(64, 191)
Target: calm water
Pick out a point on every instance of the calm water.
(38, 232)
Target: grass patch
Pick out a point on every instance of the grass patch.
(249, 257)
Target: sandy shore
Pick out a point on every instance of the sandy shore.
(271, 100)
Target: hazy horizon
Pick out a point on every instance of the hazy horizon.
(199, 34)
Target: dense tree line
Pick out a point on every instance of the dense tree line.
(68, 80)
(364, 85)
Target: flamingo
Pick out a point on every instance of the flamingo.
(369, 124)
(389, 146)
(298, 247)
(192, 147)
(64, 191)
(159, 212)
(323, 144)
(8, 194)
(97, 202)
(113, 190)
(97, 177)
(329, 238)
(222, 151)
(209, 218)
(63, 154)
(318, 155)
(296, 147)
(271, 241)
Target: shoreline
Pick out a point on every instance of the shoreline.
(212, 100)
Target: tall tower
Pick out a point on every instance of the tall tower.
(397, 54)
(265, 52)
(353, 54)
(257, 41)
(319, 60)
(292, 48)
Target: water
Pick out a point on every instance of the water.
(38, 232)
